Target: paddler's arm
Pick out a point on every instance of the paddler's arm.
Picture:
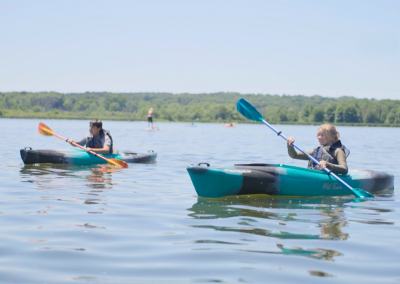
(341, 168)
(81, 142)
(293, 153)
(105, 150)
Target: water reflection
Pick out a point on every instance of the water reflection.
(98, 178)
(259, 215)
(318, 253)
(267, 233)
(326, 212)
(88, 226)
(319, 273)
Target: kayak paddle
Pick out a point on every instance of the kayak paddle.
(250, 112)
(45, 130)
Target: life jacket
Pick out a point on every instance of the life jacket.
(96, 143)
(326, 153)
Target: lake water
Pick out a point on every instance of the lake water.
(145, 224)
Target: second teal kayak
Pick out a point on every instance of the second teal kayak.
(80, 157)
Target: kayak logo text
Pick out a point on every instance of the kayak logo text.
(329, 186)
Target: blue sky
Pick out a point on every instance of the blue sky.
(329, 48)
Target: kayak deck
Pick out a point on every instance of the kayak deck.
(80, 157)
(279, 179)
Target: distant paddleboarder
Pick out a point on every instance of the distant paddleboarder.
(150, 118)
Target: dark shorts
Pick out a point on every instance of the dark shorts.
(150, 119)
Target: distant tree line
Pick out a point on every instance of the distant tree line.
(215, 107)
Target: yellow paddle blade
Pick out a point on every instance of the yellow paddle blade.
(118, 163)
(45, 130)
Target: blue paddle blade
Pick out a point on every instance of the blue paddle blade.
(362, 193)
(248, 111)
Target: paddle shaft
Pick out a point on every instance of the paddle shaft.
(310, 157)
(77, 145)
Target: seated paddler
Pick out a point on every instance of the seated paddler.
(330, 153)
(99, 140)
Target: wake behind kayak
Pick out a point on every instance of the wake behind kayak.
(80, 157)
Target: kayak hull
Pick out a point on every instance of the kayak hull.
(278, 179)
(80, 157)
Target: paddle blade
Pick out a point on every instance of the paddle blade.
(362, 193)
(118, 163)
(248, 110)
(45, 130)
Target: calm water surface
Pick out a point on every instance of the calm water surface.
(145, 224)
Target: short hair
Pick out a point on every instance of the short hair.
(97, 122)
(329, 131)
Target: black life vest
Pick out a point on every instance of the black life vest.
(326, 153)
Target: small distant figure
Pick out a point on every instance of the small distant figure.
(192, 122)
(231, 124)
(150, 118)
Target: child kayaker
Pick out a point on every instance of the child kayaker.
(99, 140)
(330, 154)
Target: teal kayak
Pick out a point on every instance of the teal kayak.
(279, 179)
(80, 157)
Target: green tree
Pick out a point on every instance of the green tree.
(351, 113)
(114, 106)
(390, 118)
(318, 114)
(330, 112)
(68, 105)
(282, 114)
(221, 112)
(339, 113)
(37, 109)
(371, 117)
(79, 106)
(292, 116)
(93, 106)
(306, 111)
(114, 98)
(397, 119)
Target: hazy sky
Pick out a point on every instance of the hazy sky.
(330, 48)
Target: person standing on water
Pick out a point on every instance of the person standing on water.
(99, 140)
(331, 153)
(150, 118)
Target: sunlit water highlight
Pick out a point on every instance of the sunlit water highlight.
(145, 224)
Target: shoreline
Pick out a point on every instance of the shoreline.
(354, 124)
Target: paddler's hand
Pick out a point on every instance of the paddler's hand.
(70, 141)
(290, 141)
(322, 165)
(87, 149)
